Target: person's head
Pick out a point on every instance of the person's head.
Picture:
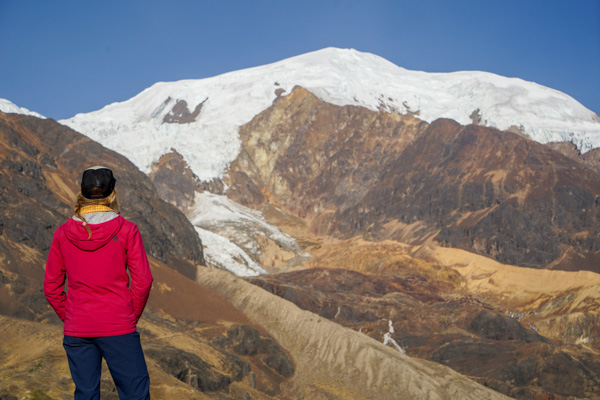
(97, 188)
(97, 183)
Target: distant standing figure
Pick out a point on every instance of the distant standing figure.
(101, 306)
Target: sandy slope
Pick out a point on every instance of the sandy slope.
(516, 286)
(335, 362)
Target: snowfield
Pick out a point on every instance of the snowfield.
(136, 127)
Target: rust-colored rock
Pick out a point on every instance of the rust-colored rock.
(350, 171)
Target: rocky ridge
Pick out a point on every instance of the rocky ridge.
(361, 367)
(350, 171)
(590, 159)
(41, 162)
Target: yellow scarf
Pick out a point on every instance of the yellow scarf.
(94, 208)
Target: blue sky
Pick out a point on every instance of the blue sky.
(60, 57)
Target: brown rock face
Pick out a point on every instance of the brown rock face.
(174, 180)
(491, 192)
(351, 171)
(315, 157)
(180, 114)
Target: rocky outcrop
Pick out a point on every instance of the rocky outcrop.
(590, 159)
(245, 340)
(180, 114)
(174, 180)
(496, 326)
(351, 171)
(313, 156)
(192, 370)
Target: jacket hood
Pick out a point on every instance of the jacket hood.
(101, 233)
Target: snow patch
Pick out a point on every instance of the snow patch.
(236, 228)
(7, 106)
(221, 253)
(582, 340)
(388, 340)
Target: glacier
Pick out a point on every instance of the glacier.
(228, 232)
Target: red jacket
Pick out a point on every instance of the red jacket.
(99, 300)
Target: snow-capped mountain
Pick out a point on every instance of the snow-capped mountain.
(7, 106)
(200, 118)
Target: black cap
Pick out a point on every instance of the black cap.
(97, 177)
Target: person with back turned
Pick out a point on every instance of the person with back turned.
(101, 258)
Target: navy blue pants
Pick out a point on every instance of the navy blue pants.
(125, 360)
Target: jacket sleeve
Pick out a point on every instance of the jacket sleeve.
(139, 269)
(54, 278)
